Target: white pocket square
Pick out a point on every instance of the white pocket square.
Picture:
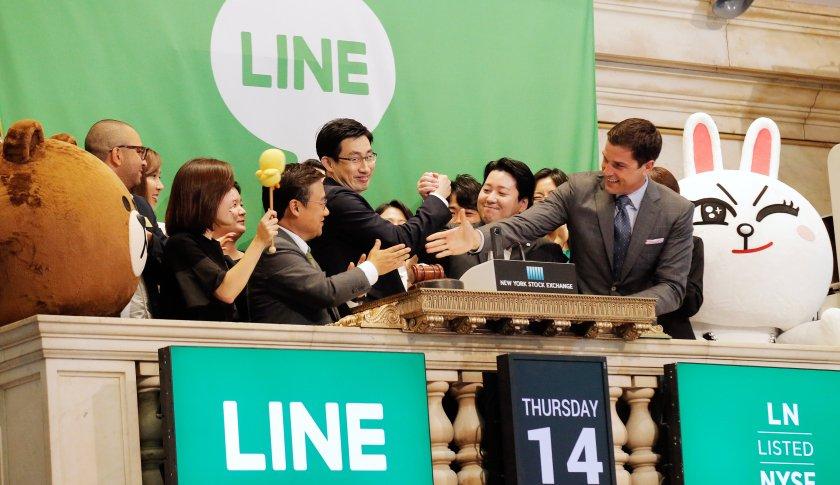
(658, 240)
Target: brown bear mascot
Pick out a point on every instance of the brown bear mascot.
(71, 242)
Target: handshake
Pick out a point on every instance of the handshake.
(434, 183)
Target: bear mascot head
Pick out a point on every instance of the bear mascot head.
(768, 258)
(71, 242)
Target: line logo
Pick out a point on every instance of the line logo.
(286, 67)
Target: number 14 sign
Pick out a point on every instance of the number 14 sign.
(555, 418)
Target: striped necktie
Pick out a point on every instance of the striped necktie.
(621, 234)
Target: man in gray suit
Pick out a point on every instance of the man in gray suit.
(289, 286)
(629, 235)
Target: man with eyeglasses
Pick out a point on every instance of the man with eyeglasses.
(119, 145)
(351, 228)
(288, 286)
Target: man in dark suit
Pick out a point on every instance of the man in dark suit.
(119, 145)
(344, 147)
(677, 323)
(508, 189)
(289, 286)
(629, 236)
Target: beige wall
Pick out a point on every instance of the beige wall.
(666, 59)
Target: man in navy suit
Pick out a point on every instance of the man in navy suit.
(344, 147)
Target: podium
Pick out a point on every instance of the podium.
(432, 310)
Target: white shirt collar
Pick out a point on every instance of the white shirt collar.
(639, 194)
(298, 240)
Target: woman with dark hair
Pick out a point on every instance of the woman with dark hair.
(397, 214)
(146, 299)
(394, 212)
(150, 184)
(548, 179)
(201, 282)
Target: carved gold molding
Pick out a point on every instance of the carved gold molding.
(425, 310)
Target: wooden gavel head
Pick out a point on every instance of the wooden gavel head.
(425, 272)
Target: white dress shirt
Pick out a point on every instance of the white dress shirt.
(367, 267)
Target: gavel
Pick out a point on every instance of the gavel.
(425, 272)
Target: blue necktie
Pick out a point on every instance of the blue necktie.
(621, 235)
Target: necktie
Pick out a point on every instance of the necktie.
(312, 261)
(621, 235)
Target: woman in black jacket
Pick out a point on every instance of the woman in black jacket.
(201, 283)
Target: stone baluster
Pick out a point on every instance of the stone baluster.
(468, 428)
(642, 432)
(441, 432)
(619, 431)
(151, 425)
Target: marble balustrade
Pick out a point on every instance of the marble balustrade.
(79, 396)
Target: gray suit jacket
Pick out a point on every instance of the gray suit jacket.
(539, 250)
(285, 288)
(659, 256)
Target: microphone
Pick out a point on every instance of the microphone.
(496, 241)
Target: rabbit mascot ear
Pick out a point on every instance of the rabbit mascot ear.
(762, 146)
(701, 145)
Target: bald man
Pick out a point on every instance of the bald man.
(119, 145)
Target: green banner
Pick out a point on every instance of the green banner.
(757, 425)
(249, 416)
(447, 85)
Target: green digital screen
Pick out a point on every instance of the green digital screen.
(251, 416)
(755, 425)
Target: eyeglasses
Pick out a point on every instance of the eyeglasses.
(357, 160)
(141, 150)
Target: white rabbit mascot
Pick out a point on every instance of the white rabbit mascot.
(768, 259)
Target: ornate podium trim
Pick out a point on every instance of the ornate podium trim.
(425, 310)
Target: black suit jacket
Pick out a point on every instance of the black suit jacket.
(285, 288)
(676, 323)
(153, 271)
(352, 227)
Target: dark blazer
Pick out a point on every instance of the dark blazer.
(352, 227)
(659, 256)
(195, 267)
(676, 323)
(539, 250)
(153, 271)
(285, 288)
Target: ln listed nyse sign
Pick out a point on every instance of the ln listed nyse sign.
(295, 416)
(755, 425)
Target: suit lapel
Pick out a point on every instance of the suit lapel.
(605, 206)
(281, 234)
(332, 311)
(645, 222)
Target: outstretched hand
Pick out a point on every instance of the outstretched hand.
(457, 240)
(389, 259)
